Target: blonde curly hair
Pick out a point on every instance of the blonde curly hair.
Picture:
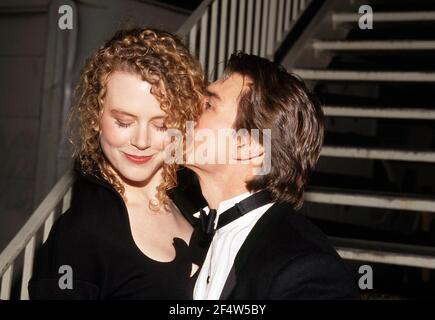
(159, 58)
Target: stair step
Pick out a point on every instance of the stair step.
(409, 16)
(384, 252)
(394, 94)
(374, 200)
(376, 112)
(355, 181)
(380, 154)
(356, 75)
(375, 45)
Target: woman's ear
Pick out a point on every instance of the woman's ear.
(96, 125)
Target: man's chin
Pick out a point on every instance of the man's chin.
(203, 168)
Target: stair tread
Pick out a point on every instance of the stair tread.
(374, 44)
(386, 16)
(378, 153)
(365, 75)
(387, 194)
(389, 61)
(366, 198)
(394, 94)
(376, 112)
(361, 71)
(349, 183)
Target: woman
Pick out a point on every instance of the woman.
(123, 238)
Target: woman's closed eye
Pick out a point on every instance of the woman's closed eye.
(159, 124)
(122, 124)
(160, 127)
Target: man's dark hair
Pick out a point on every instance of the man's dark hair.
(280, 101)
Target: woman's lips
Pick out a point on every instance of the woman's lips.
(137, 159)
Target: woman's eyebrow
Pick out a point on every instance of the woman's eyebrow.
(125, 113)
(122, 112)
(158, 117)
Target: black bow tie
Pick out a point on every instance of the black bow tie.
(207, 221)
(252, 202)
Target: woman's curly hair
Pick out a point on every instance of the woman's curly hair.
(159, 58)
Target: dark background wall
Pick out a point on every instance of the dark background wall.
(39, 68)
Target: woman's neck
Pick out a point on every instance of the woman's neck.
(142, 192)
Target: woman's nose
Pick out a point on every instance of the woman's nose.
(140, 140)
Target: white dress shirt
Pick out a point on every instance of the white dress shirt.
(224, 247)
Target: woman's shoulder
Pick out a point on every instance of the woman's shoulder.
(70, 252)
(72, 238)
(78, 241)
(95, 213)
(93, 195)
(93, 216)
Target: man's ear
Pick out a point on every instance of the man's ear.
(248, 149)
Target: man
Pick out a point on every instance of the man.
(262, 248)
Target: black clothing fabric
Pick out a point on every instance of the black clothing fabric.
(286, 257)
(94, 238)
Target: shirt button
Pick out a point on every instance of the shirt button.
(208, 279)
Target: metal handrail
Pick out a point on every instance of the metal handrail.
(193, 18)
(215, 30)
(25, 239)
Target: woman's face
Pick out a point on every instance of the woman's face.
(132, 128)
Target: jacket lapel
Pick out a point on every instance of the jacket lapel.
(252, 242)
(230, 284)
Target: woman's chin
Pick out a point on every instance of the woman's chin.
(137, 176)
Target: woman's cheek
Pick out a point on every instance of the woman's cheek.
(115, 135)
(158, 140)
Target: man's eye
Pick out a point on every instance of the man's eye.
(207, 105)
(122, 124)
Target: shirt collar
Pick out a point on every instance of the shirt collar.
(226, 204)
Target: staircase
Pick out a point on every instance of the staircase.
(376, 177)
(375, 182)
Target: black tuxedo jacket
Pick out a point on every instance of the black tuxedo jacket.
(286, 257)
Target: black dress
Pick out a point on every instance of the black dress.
(93, 239)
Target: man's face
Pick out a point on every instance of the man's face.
(218, 117)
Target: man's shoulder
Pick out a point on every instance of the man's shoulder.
(283, 236)
(290, 251)
(287, 231)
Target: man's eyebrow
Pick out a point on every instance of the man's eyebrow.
(212, 94)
